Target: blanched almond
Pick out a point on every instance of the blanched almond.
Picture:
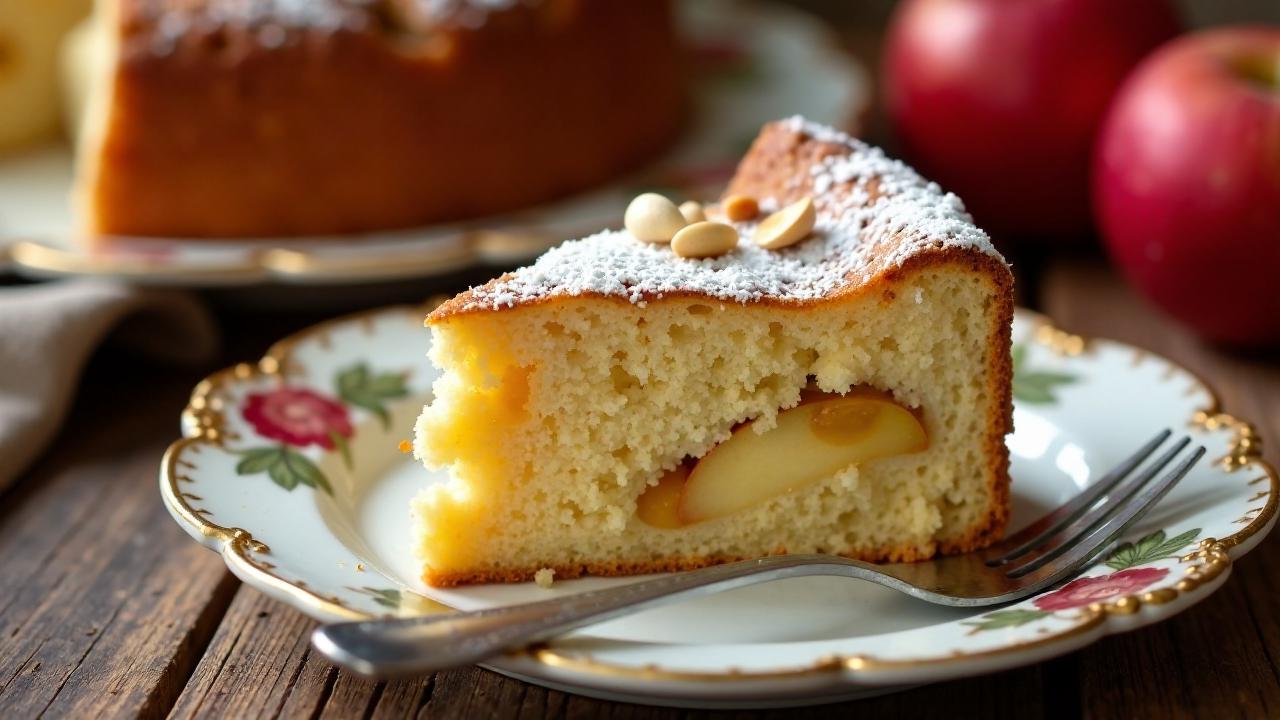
(652, 218)
(788, 226)
(692, 211)
(704, 239)
(740, 207)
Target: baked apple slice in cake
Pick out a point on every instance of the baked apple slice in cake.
(837, 380)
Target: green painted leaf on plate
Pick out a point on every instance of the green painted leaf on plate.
(1032, 394)
(354, 377)
(388, 598)
(294, 469)
(359, 386)
(281, 474)
(1035, 386)
(388, 385)
(257, 460)
(344, 448)
(1006, 618)
(1151, 548)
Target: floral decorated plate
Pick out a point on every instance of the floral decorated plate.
(751, 62)
(289, 468)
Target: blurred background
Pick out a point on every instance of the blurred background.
(387, 149)
(862, 28)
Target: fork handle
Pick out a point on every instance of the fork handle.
(404, 646)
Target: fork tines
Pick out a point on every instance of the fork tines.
(1072, 535)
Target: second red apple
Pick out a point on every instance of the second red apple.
(1187, 182)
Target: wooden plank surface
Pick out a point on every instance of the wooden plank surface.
(259, 664)
(105, 605)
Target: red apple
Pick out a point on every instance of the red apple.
(1000, 101)
(1186, 182)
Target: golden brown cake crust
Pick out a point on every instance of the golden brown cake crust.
(261, 118)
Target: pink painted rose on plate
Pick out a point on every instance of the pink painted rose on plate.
(1085, 591)
(297, 417)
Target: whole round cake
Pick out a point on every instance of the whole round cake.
(269, 118)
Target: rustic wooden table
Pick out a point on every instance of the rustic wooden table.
(108, 609)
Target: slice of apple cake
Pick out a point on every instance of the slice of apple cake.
(835, 380)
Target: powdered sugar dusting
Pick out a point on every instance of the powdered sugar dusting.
(469, 13)
(178, 16)
(275, 23)
(269, 24)
(873, 214)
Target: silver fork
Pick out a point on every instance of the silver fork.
(1044, 553)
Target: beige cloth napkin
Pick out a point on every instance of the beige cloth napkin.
(48, 332)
